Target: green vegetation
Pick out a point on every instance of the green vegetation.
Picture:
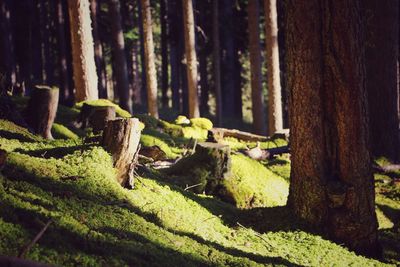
(104, 103)
(96, 222)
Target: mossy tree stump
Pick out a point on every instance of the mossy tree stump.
(96, 116)
(121, 139)
(206, 168)
(41, 110)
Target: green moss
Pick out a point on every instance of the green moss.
(105, 102)
(148, 140)
(202, 123)
(62, 132)
(182, 120)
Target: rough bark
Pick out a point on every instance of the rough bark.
(191, 59)
(275, 117)
(119, 60)
(84, 68)
(96, 116)
(381, 58)
(217, 64)
(151, 78)
(331, 180)
(121, 138)
(41, 110)
(257, 98)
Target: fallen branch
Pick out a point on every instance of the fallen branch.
(219, 133)
(27, 247)
(262, 154)
(192, 186)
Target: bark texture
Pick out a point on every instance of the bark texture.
(382, 53)
(257, 101)
(331, 180)
(151, 78)
(84, 68)
(121, 138)
(191, 59)
(41, 110)
(275, 117)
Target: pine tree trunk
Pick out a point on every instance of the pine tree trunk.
(118, 52)
(381, 54)
(217, 63)
(84, 68)
(191, 60)
(275, 117)
(332, 185)
(41, 110)
(164, 53)
(151, 78)
(8, 67)
(173, 35)
(257, 98)
(98, 50)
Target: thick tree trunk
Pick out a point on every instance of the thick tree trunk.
(217, 64)
(332, 185)
(381, 57)
(164, 53)
(257, 98)
(41, 110)
(118, 52)
(151, 78)
(84, 68)
(191, 59)
(275, 117)
(121, 138)
(98, 50)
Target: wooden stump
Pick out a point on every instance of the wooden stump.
(41, 110)
(96, 116)
(121, 138)
(208, 166)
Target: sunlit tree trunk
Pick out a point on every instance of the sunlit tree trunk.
(85, 76)
(257, 102)
(151, 78)
(191, 59)
(275, 117)
(332, 186)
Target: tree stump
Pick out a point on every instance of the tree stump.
(206, 168)
(121, 138)
(41, 110)
(96, 116)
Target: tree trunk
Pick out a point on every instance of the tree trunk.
(191, 60)
(118, 52)
(96, 116)
(98, 50)
(151, 78)
(332, 185)
(217, 63)
(8, 67)
(164, 53)
(174, 37)
(257, 98)
(121, 138)
(84, 68)
(275, 117)
(382, 52)
(41, 110)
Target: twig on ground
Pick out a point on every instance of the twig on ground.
(28, 246)
(188, 187)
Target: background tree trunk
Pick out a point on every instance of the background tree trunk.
(85, 76)
(381, 54)
(164, 53)
(151, 78)
(332, 185)
(217, 63)
(7, 47)
(275, 116)
(257, 97)
(191, 59)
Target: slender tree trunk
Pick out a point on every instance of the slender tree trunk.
(253, 11)
(173, 35)
(382, 53)
(191, 60)
(217, 63)
(7, 47)
(151, 78)
(118, 52)
(85, 76)
(98, 50)
(142, 54)
(275, 117)
(164, 53)
(332, 185)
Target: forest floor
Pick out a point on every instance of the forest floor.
(95, 222)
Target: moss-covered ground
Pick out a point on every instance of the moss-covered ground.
(95, 222)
